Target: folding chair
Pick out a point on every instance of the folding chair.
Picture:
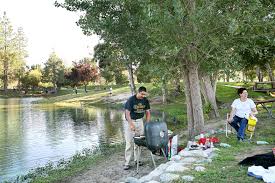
(226, 125)
(250, 127)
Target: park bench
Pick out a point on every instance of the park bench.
(264, 103)
(267, 86)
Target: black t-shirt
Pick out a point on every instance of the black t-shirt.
(137, 107)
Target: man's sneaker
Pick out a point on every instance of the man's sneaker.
(126, 167)
(139, 163)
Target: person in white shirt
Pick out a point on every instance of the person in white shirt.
(242, 109)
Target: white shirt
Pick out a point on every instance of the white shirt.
(243, 109)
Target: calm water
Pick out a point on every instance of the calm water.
(31, 135)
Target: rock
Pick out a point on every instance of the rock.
(187, 178)
(132, 180)
(193, 153)
(176, 167)
(154, 175)
(188, 160)
(164, 166)
(145, 178)
(176, 158)
(199, 168)
(169, 177)
(153, 181)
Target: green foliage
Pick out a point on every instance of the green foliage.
(54, 70)
(45, 84)
(35, 77)
(31, 78)
(12, 51)
(250, 74)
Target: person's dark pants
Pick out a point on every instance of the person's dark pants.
(239, 124)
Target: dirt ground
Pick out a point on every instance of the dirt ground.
(111, 170)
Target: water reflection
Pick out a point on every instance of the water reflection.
(32, 135)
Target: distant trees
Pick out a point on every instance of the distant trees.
(82, 73)
(31, 78)
(54, 71)
(111, 63)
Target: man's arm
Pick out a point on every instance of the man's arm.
(130, 121)
(148, 115)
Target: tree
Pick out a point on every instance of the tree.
(82, 73)
(197, 33)
(54, 71)
(112, 63)
(31, 78)
(12, 51)
(35, 77)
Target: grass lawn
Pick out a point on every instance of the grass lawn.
(225, 168)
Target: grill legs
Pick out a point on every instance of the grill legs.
(152, 156)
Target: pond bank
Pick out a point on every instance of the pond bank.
(110, 168)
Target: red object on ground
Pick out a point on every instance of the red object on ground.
(211, 139)
(202, 141)
(214, 140)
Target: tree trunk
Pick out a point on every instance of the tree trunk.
(227, 77)
(244, 76)
(210, 95)
(164, 91)
(85, 87)
(214, 79)
(193, 100)
(203, 92)
(131, 78)
(6, 67)
(259, 74)
(5, 77)
(270, 74)
(176, 83)
(192, 84)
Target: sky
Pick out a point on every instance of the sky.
(48, 29)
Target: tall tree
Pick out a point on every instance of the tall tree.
(111, 63)
(12, 50)
(198, 33)
(82, 73)
(54, 70)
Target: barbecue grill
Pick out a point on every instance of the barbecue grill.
(156, 138)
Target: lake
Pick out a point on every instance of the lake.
(31, 135)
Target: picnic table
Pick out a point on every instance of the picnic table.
(263, 104)
(267, 86)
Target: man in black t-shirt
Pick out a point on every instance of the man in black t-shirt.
(135, 108)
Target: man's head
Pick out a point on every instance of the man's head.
(141, 92)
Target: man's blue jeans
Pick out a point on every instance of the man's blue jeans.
(239, 124)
